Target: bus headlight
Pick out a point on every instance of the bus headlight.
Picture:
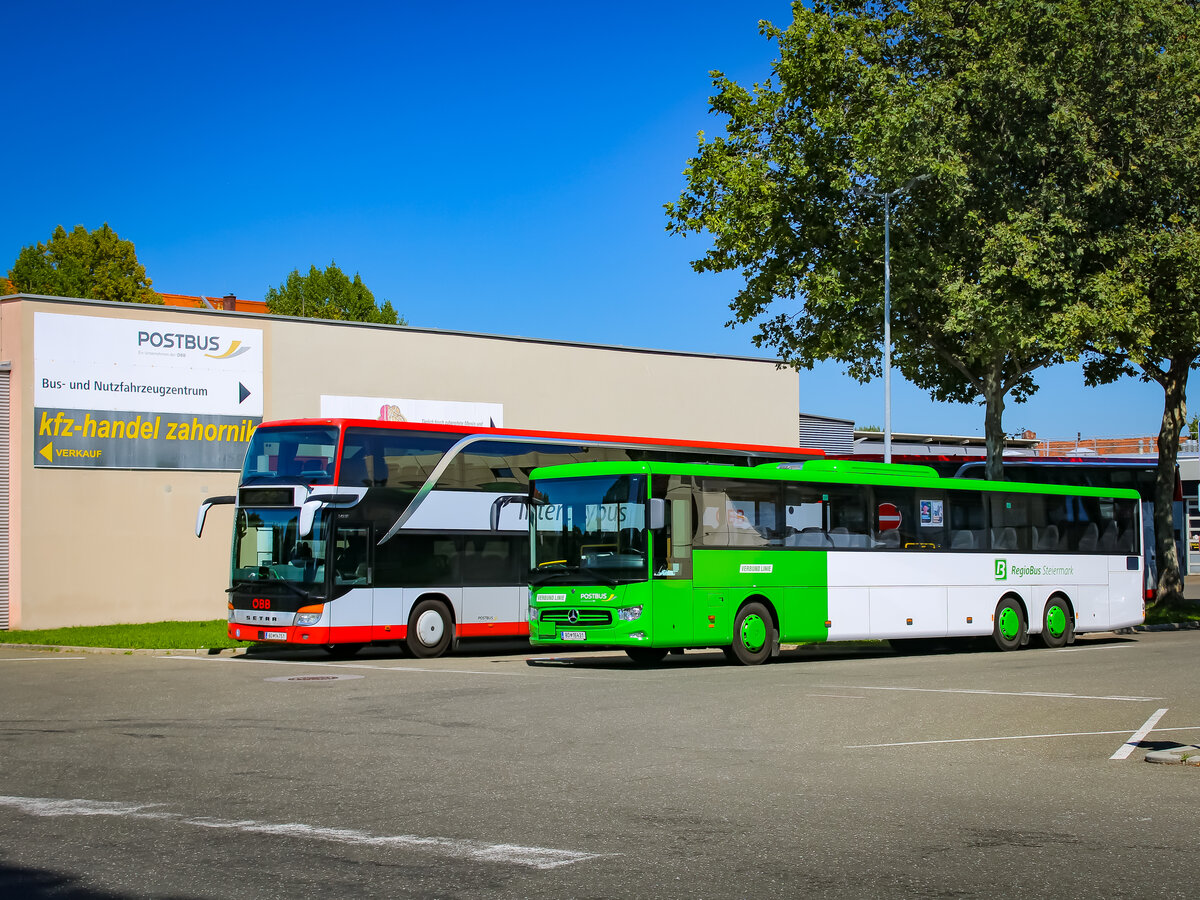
(304, 620)
(533, 614)
(629, 613)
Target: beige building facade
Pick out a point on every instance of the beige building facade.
(120, 419)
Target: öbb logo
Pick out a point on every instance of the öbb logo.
(260, 603)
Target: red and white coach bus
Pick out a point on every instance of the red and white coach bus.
(348, 532)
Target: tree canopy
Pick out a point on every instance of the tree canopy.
(95, 265)
(1150, 277)
(329, 294)
(992, 250)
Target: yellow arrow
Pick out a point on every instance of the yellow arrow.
(48, 452)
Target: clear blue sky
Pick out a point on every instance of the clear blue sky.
(485, 167)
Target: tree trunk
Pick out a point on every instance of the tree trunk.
(1174, 383)
(993, 422)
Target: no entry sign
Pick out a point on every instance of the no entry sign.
(889, 517)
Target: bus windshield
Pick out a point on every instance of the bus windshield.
(266, 548)
(300, 454)
(589, 530)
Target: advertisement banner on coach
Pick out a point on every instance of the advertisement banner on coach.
(142, 394)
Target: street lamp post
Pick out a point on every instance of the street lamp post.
(886, 197)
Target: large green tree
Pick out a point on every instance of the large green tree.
(990, 249)
(1147, 118)
(329, 294)
(96, 265)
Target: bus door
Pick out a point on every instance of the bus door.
(672, 532)
(350, 564)
(495, 590)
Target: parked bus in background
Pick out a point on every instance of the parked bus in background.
(654, 556)
(348, 532)
(1099, 471)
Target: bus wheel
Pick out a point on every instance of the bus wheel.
(1058, 625)
(430, 629)
(753, 635)
(646, 656)
(1009, 631)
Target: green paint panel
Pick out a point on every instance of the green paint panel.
(794, 582)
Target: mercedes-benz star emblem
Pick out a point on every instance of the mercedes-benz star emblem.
(573, 616)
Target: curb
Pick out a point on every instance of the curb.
(1176, 756)
(126, 651)
(1165, 626)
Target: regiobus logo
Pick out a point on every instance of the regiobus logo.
(1002, 570)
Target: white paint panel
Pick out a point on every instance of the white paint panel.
(352, 609)
(976, 603)
(908, 611)
(487, 605)
(465, 511)
(943, 590)
(849, 614)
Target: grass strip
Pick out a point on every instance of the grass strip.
(150, 636)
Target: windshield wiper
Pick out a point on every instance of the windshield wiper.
(538, 578)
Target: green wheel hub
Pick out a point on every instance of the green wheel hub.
(1056, 620)
(1010, 623)
(754, 633)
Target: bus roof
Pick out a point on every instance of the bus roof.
(582, 437)
(827, 471)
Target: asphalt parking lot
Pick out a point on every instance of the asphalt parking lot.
(832, 772)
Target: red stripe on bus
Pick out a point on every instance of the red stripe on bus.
(493, 629)
(581, 437)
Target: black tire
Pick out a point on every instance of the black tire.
(343, 651)
(1058, 623)
(430, 629)
(1009, 628)
(753, 635)
(646, 656)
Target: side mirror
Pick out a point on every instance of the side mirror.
(524, 501)
(204, 507)
(308, 510)
(658, 513)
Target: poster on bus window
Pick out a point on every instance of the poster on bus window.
(931, 513)
(427, 412)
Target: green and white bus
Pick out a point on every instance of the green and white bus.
(657, 556)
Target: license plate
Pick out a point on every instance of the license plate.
(272, 635)
(573, 636)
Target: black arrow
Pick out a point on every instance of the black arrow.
(243, 393)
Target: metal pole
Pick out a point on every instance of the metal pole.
(887, 332)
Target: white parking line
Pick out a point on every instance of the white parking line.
(41, 658)
(1088, 649)
(477, 851)
(493, 673)
(242, 660)
(1008, 737)
(859, 687)
(1136, 738)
